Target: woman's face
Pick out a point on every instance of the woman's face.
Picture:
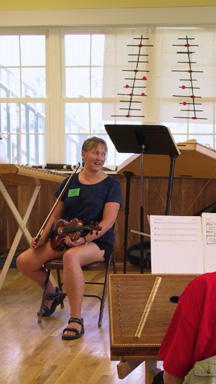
(95, 158)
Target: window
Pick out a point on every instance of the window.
(84, 93)
(23, 93)
(60, 86)
(174, 85)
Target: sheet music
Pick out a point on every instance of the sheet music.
(176, 244)
(209, 241)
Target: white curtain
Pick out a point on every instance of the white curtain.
(168, 81)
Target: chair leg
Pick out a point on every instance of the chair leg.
(43, 297)
(103, 297)
(60, 284)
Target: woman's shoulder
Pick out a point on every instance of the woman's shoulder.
(198, 286)
(208, 278)
(74, 179)
(112, 180)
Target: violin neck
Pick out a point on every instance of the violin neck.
(74, 229)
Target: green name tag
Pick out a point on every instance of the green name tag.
(73, 192)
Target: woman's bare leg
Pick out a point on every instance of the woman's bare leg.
(73, 277)
(31, 261)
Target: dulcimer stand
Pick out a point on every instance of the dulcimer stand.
(144, 139)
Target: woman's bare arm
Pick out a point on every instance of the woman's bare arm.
(170, 379)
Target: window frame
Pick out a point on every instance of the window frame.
(55, 99)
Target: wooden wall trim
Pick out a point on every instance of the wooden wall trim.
(188, 197)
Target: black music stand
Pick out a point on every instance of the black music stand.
(128, 176)
(151, 139)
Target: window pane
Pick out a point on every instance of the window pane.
(3, 149)
(99, 117)
(32, 50)
(176, 127)
(33, 149)
(200, 128)
(76, 118)
(12, 148)
(16, 118)
(9, 117)
(77, 50)
(77, 82)
(73, 148)
(96, 82)
(9, 50)
(33, 117)
(33, 82)
(9, 82)
(97, 56)
(96, 118)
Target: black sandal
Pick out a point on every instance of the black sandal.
(78, 334)
(58, 297)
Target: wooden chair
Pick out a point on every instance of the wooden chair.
(100, 265)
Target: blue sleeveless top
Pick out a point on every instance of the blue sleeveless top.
(86, 202)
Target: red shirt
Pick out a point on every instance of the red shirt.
(191, 335)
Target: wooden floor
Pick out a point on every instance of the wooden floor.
(35, 353)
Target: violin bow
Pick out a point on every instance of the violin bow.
(56, 202)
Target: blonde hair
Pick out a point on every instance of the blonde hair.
(93, 142)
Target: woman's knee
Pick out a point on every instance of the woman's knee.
(70, 258)
(22, 262)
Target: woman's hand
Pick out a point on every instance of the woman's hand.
(75, 243)
(37, 244)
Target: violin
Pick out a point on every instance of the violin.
(72, 228)
(57, 200)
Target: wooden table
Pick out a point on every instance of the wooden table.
(23, 175)
(195, 161)
(140, 309)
